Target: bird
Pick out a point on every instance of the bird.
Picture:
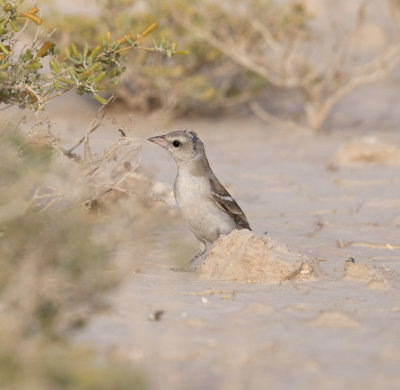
(207, 208)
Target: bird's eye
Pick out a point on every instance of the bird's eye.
(176, 143)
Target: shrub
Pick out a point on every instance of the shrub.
(25, 80)
(276, 41)
(205, 81)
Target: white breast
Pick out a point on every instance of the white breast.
(194, 199)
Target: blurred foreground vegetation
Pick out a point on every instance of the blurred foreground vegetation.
(70, 231)
(56, 266)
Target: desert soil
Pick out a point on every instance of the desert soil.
(330, 197)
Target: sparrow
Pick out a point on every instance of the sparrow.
(206, 206)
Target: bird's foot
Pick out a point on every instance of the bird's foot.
(185, 268)
(188, 267)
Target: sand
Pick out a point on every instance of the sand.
(251, 317)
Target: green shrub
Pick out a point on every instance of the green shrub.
(204, 81)
(29, 81)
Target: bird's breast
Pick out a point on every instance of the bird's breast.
(195, 202)
(190, 189)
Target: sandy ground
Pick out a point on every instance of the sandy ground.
(330, 197)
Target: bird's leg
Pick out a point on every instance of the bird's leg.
(188, 265)
(203, 248)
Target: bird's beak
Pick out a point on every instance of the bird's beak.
(159, 140)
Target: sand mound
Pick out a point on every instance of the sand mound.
(367, 150)
(245, 256)
(375, 277)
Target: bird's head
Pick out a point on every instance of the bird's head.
(185, 146)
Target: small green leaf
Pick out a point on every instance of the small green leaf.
(54, 66)
(66, 81)
(85, 50)
(14, 26)
(94, 52)
(100, 77)
(74, 50)
(100, 99)
(4, 49)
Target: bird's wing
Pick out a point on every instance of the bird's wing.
(225, 202)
